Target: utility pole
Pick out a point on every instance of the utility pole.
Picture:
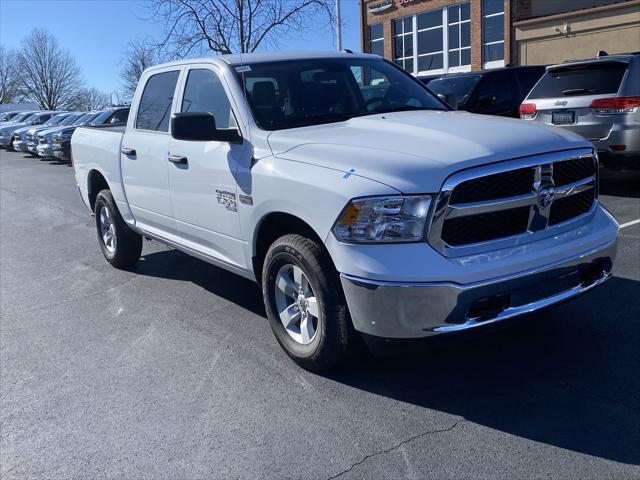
(338, 27)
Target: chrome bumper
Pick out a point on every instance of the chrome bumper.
(44, 150)
(417, 310)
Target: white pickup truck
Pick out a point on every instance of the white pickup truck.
(361, 203)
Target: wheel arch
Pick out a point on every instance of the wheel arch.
(96, 182)
(273, 226)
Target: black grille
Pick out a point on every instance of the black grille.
(570, 171)
(499, 185)
(567, 208)
(486, 226)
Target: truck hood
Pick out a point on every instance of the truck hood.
(414, 152)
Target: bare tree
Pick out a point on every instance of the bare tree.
(89, 99)
(8, 75)
(231, 26)
(141, 54)
(48, 74)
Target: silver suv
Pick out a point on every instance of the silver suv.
(598, 99)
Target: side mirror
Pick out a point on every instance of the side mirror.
(450, 99)
(487, 100)
(201, 126)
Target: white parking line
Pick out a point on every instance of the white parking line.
(628, 224)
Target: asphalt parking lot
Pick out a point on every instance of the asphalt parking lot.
(171, 370)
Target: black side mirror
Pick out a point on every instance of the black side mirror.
(201, 126)
(486, 100)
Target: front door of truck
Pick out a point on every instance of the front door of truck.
(144, 155)
(202, 174)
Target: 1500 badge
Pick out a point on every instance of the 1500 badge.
(228, 199)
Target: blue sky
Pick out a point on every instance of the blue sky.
(96, 32)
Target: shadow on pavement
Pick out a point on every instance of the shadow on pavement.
(620, 184)
(175, 265)
(567, 377)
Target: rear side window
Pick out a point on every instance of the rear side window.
(589, 79)
(461, 87)
(204, 93)
(120, 116)
(154, 110)
(527, 78)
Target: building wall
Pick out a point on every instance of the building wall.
(578, 34)
(403, 8)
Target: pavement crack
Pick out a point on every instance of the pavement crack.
(600, 395)
(76, 299)
(398, 445)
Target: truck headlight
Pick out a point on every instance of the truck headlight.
(384, 219)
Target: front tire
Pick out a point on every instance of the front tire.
(305, 303)
(120, 245)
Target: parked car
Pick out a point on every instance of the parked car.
(45, 147)
(7, 116)
(6, 131)
(598, 98)
(31, 136)
(23, 137)
(492, 92)
(17, 121)
(394, 218)
(61, 145)
(113, 116)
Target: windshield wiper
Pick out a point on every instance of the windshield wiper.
(576, 91)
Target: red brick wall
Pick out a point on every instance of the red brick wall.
(418, 6)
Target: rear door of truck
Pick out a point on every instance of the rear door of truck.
(145, 151)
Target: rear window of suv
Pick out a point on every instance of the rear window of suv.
(574, 80)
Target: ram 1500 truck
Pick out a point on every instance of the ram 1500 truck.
(359, 201)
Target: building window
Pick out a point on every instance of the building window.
(403, 42)
(441, 42)
(376, 39)
(459, 35)
(493, 33)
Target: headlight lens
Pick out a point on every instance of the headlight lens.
(384, 219)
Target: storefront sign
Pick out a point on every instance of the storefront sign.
(380, 6)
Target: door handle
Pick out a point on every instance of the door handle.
(179, 159)
(129, 152)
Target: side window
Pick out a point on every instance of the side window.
(204, 93)
(527, 79)
(120, 116)
(497, 84)
(154, 111)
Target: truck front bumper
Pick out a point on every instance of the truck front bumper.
(417, 310)
(44, 150)
(5, 141)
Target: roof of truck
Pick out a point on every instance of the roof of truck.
(259, 57)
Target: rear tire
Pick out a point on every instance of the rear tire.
(305, 303)
(120, 245)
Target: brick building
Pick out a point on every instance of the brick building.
(428, 37)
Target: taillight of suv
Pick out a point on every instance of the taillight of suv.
(615, 105)
(528, 111)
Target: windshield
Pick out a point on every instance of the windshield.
(100, 118)
(587, 79)
(31, 117)
(461, 87)
(21, 117)
(55, 120)
(84, 118)
(299, 93)
(70, 119)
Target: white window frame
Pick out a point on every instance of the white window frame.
(494, 63)
(445, 42)
(403, 35)
(460, 22)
